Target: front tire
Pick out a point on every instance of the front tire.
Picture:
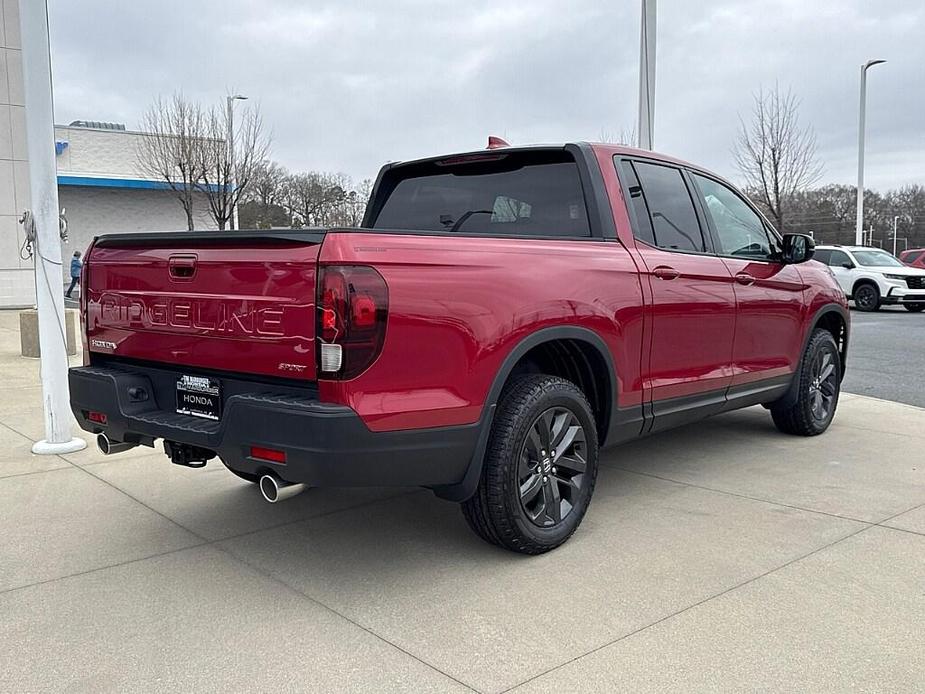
(867, 297)
(819, 383)
(540, 467)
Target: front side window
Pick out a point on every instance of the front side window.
(670, 207)
(876, 258)
(912, 256)
(739, 229)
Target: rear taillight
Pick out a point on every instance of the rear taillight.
(84, 301)
(353, 306)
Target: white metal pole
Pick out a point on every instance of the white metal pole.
(646, 120)
(43, 183)
(229, 103)
(859, 227)
(894, 234)
(862, 113)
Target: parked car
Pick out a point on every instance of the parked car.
(501, 316)
(873, 277)
(913, 257)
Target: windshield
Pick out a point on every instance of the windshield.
(875, 258)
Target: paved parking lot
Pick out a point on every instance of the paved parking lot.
(887, 355)
(722, 556)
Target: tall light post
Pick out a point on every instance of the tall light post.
(896, 219)
(859, 227)
(646, 121)
(229, 104)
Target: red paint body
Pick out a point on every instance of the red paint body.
(457, 307)
(913, 257)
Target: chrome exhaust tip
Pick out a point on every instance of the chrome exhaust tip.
(109, 447)
(274, 490)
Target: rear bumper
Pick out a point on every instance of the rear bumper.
(325, 445)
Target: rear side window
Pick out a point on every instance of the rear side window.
(822, 255)
(911, 256)
(670, 207)
(642, 227)
(525, 194)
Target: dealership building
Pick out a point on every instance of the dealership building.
(100, 185)
(100, 189)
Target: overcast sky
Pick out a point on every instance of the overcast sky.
(349, 84)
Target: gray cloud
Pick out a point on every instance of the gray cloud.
(348, 85)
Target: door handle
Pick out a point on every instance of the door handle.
(745, 278)
(663, 272)
(182, 267)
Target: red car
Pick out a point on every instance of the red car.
(500, 317)
(913, 257)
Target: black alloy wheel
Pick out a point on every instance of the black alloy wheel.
(867, 298)
(552, 467)
(823, 386)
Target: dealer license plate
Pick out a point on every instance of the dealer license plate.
(199, 396)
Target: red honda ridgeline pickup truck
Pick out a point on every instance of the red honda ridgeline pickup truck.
(499, 318)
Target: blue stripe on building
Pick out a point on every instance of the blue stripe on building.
(134, 183)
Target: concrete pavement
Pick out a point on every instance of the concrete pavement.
(718, 557)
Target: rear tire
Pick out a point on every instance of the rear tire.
(866, 297)
(914, 308)
(819, 384)
(540, 467)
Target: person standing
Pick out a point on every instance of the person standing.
(76, 266)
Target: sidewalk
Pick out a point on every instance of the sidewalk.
(722, 556)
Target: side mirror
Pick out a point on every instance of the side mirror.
(848, 265)
(798, 248)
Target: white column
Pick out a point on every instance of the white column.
(862, 116)
(862, 108)
(40, 144)
(646, 121)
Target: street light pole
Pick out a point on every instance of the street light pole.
(646, 120)
(229, 104)
(894, 233)
(859, 227)
(43, 187)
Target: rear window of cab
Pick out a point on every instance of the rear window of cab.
(518, 193)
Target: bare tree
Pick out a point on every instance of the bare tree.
(627, 137)
(170, 148)
(311, 196)
(358, 200)
(267, 188)
(774, 153)
(224, 182)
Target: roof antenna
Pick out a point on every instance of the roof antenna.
(495, 142)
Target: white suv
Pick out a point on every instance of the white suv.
(872, 277)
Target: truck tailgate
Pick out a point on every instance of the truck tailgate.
(235, 303)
